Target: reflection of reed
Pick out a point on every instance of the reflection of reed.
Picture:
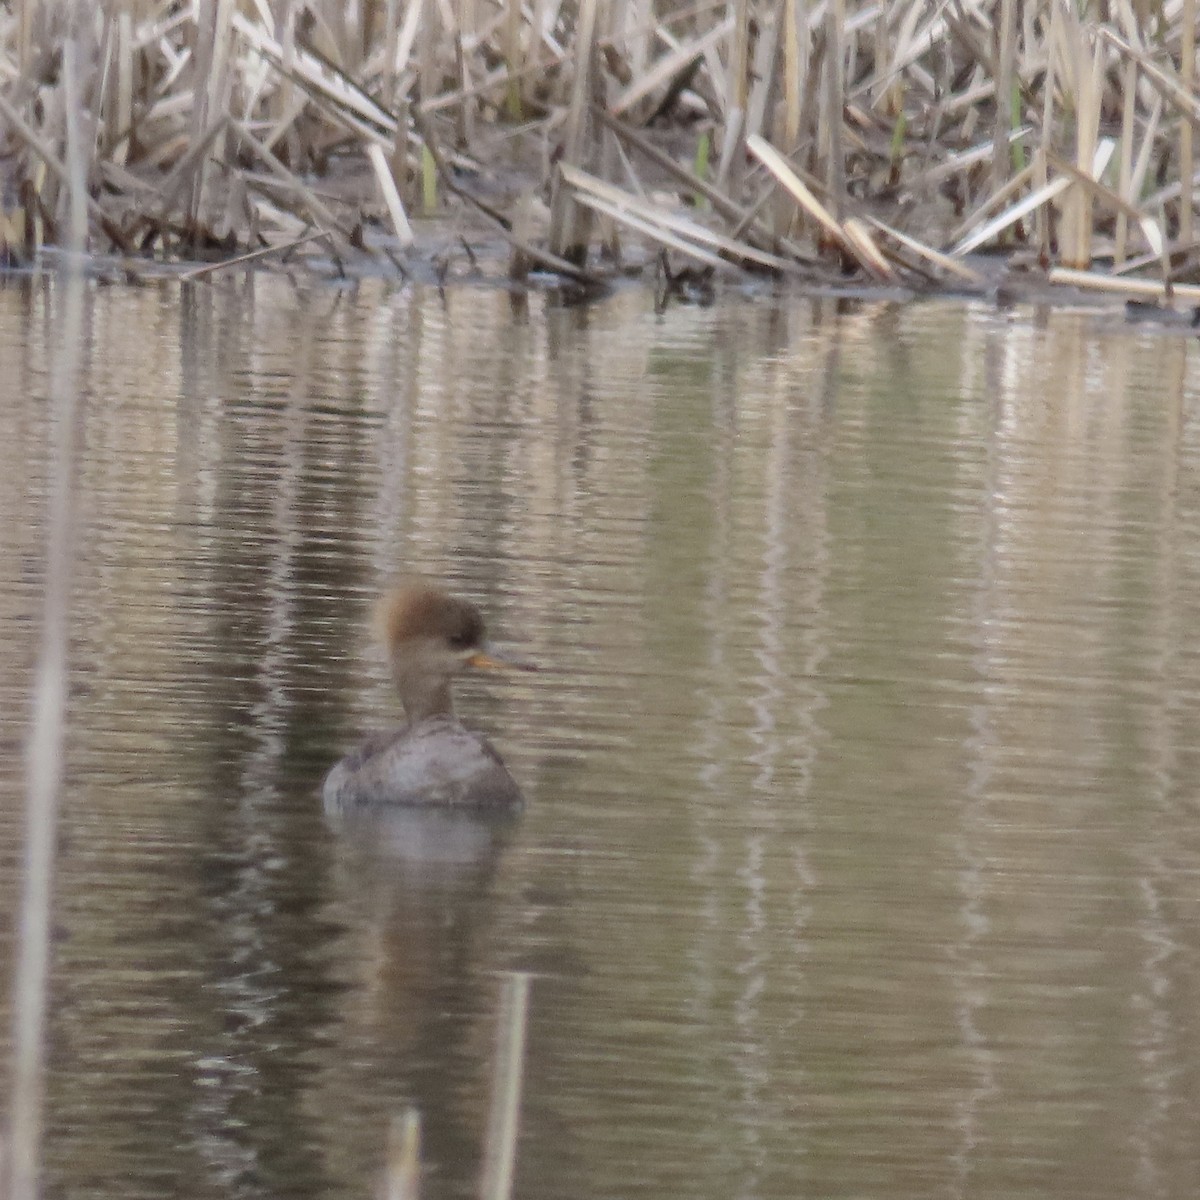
(1059, 700)
(776, 542)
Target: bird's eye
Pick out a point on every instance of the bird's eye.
(462, 641)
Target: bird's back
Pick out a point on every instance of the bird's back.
(436, 762)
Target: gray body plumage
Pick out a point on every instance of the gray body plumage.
(437, 761)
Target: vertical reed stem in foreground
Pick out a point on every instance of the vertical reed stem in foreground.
(402, 1180)
(45, 746)
(500, 1142)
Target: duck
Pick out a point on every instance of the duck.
(432, 760)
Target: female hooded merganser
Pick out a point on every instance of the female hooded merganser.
(432, 760)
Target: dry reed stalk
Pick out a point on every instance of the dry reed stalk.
(1144, 160)
(763, 68)
(1010, 216)
(1167, 82)
(1093, 187)
(1032, 201)
(833, 103)
(428, 42)
(656, 232)
(1077, 217)
(541, 22)
(795, 65)
(513, 60)
(911, 42)
(316, 209)
(866, 251)
(500, 1139)
(79, 141)
(943, 262)
(962, 162)
(731, 88)
(406, 38)
(254, 256)
(1187, 75)
(389, 74)
(1125, 163)
(568, 228)
(211, 96)
(526, 250)
(1005, 78)
(391, 195)
(973, 220)
(402, 1175)
(321, 81)
(27, 14)
(59, 169)
(856, 242)
(464, 51)
(680, 233)
(121, 111)
(1044, 217)
(399, 160)
(667, 68)
(741, 217)
(1093, 281)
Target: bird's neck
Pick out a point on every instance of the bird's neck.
(423, 697)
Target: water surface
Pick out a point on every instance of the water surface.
(862, 856)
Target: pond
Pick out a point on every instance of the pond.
(861, 856)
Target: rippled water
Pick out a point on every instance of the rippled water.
(863, 853)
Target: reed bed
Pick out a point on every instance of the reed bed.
(883, 140)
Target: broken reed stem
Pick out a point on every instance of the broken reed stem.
(242, 259)
(500, 1141)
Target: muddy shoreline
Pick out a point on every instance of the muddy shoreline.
(449, 253)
